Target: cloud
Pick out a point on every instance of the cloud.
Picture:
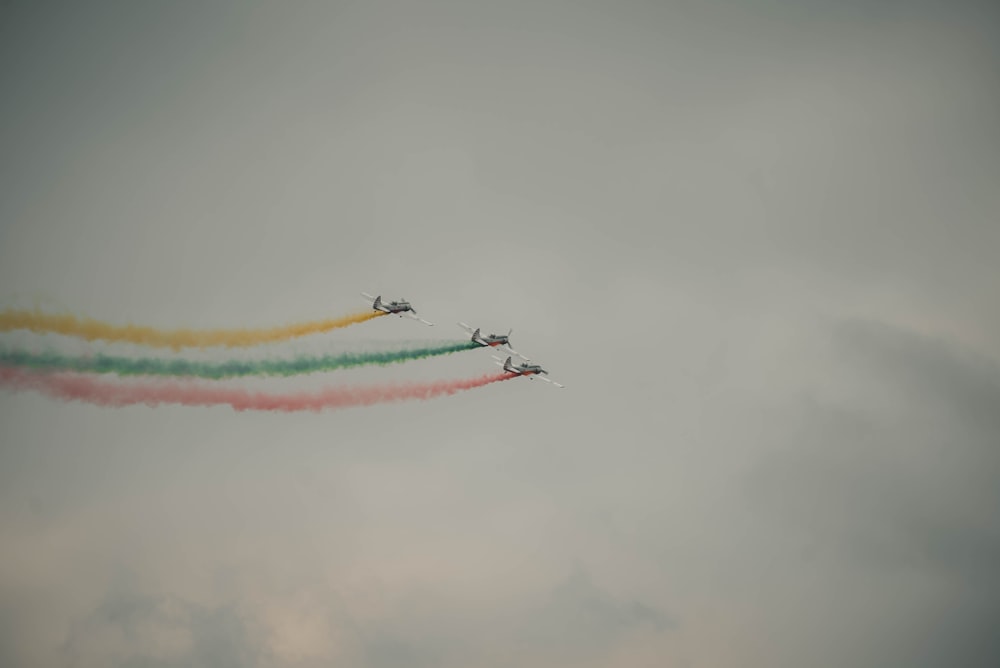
(932, 372)
(575, 621)
(580, 615)
(131, 628)
(891, 482)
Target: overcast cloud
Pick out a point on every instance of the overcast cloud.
(757, 240)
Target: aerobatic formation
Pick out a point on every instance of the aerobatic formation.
(121, 380)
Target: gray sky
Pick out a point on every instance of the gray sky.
(756, 239)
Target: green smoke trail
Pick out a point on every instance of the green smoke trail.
(152, 366)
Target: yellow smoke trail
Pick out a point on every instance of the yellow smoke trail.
(94, 330)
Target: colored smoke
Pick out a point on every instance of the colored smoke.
(94, 330)
(153, 366)
(77, 387)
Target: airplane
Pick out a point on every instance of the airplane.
(400, 308)
(532, 371)
(492, 340)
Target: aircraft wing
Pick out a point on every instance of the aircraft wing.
(409, 314)
(548, 380)
(515, 353)
(368, 298)
(467, 328)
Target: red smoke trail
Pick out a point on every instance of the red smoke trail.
(80, 387)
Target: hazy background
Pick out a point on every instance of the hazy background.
(758, 241)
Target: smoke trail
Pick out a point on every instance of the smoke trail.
(93, 330)
(77, 387)
(152, 366)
